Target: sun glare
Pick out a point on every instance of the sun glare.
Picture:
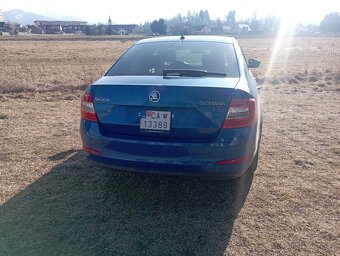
(284, 38)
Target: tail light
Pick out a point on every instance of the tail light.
(242, 113)
(233, 161)
(91, 151)
(87, 109)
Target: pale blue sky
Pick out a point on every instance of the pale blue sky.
(127, 11)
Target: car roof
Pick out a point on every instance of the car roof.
(217, 39)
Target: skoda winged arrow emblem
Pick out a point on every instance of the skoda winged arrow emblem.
(154, 96)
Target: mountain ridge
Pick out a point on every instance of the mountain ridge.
(27, 18)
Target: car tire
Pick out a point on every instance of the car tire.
(253, 165)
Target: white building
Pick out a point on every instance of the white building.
(1, 16)
(242, 29)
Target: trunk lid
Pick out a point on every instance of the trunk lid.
(198, 106)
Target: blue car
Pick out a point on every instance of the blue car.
(176, 105)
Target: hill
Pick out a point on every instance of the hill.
(22, 17)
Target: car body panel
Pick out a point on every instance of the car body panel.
(215, 39)
(169, 81)
(199, 113)
(187, 157)
(196, 142)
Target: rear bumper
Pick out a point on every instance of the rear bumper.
(173, 158)
(170, 168)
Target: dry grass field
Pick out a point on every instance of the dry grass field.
(55, 202)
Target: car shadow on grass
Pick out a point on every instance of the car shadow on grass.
(78, 208)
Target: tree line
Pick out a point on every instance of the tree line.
(194, 22)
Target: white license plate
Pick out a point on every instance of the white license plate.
(156, 121)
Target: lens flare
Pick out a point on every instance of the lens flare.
(283, 41)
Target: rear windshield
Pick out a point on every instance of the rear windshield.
(150, 59)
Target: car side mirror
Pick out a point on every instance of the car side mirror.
(253, 63)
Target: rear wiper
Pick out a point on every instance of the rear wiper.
(191, 73)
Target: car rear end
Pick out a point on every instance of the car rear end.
(189, 122)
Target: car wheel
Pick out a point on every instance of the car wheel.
(253, 165)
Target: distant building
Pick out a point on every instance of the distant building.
(2, 23)
(58, 27)
(115, 29)
(124, 27)
(79, 27)
(33, 29)
(226, 29)
(242, 29)
(202, 30)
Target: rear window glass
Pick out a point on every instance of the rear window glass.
(150, 59)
